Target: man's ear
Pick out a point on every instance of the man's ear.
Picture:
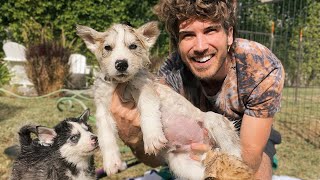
(90, 37)
(230, 36)
(150, 32)
(46, 135)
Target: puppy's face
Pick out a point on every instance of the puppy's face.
(79, 141)
(122, 50)
(72, 137)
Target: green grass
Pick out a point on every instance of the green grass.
(300, 113)
(299, 124)
(298, 121)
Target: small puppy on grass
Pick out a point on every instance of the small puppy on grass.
(64, 152)
(169, 122)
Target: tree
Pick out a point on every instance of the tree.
(300, 56)
(311, 31)
(304, 54)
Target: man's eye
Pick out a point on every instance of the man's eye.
(133, 46)
(211, 30)
(185, 36)
(108, 47)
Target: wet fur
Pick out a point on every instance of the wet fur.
(159, 105)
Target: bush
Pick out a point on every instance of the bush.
(47, 65)
(5, 75)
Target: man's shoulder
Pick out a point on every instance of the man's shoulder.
(242, 46)
(251, 54)
(172, 62)
(254, 62)
(170, 71)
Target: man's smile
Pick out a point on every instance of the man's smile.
(202, 59)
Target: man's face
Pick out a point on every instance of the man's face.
(203, 46)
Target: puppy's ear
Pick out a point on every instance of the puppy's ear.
(150, 32)
(90, 37)
(85, 115)
(46, 135)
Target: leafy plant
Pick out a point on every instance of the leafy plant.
(47, 65)
(5, 75)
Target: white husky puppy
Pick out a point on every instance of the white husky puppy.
(123, 53)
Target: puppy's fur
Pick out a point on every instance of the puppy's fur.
(169, 122)
(65, 152)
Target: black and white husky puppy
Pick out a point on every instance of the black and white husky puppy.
(64, 152)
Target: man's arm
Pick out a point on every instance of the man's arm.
(254, 135)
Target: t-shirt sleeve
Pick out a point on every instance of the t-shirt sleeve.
(169, 72)
(264, 100)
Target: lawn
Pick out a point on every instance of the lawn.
(300, 113)
(296, 156)
(299, 124)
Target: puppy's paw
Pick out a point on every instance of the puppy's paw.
(154, 142)
(112, 165)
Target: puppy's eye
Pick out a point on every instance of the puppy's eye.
(108, 47)
(75, 138)
(133, 46)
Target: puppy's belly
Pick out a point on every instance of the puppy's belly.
(181, 131)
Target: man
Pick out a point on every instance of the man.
(238, 78)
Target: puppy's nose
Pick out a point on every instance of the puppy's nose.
(94, 138)
(121, 65)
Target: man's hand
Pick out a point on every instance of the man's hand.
(126, 116)
(124, 111)
(198, 150)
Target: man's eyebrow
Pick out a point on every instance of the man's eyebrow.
(185, 32)
(214, 26)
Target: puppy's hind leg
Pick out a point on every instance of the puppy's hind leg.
(223, 132)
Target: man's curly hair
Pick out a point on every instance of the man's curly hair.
(172, 12)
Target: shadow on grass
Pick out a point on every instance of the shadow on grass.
(303, 132)
(8, 111)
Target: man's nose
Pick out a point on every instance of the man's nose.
(201, 44)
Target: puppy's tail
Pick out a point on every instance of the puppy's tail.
(25, 135)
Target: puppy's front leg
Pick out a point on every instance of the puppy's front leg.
(151, 125)
(106, 129)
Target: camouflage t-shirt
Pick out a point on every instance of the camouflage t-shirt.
(253, 84)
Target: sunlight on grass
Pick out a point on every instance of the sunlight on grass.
(299, 124)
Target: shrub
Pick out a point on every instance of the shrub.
(5, 75)
(47, 65)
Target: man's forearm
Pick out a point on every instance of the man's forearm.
(260, 164)
(254, 134)
(252, 158)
